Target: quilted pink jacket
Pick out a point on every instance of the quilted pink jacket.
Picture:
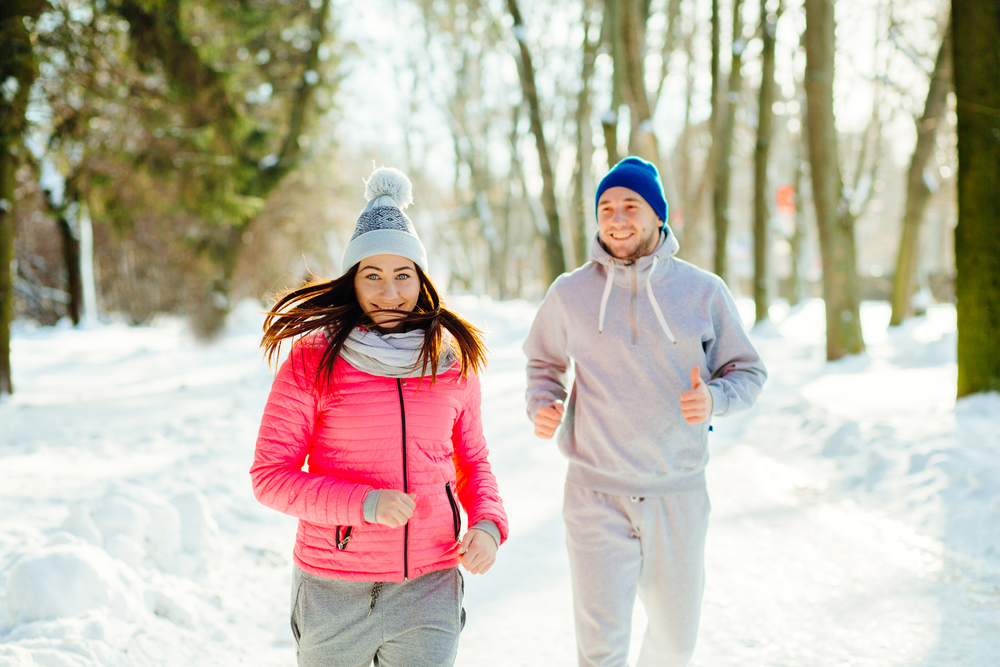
(319, 453)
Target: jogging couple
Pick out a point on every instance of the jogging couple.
(372, 436)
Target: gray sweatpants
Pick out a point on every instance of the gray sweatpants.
(619, 546)
(414, 623)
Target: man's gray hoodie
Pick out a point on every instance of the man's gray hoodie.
(632, 333)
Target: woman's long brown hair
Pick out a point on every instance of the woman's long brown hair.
(332, 307)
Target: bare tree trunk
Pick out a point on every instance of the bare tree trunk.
(917, 192)
(71, 260)
(554, 252)
(694, 239)
(796, 281)
(473, 156)
(628, 49)
(727, 122)
(976, 36)
(836, 225)
(761, 196)
(581, 205)
(67, 214)
(18, 71)
(669, 40)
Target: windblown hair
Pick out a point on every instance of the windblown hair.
(332, 307)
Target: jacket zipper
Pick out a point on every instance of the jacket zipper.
(342, 541)
(635, 278)
(406, 487)
(456, 518)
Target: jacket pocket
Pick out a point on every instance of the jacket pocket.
(455, 516)
(343, 536)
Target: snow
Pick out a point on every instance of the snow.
(856, 508)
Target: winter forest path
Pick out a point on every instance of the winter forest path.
(849, 526)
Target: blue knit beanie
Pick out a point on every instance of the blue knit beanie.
(639, 176)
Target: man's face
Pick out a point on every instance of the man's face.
(626, 225)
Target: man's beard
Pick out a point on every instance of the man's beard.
(645, 247)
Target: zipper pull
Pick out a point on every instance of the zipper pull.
(374, 597)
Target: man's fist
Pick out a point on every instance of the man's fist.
(547, 419)
(695, 404)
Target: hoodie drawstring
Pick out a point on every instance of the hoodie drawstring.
(652, 300)
(607, 291)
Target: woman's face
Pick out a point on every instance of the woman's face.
(386, 283)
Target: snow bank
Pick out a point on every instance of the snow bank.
(68, 577)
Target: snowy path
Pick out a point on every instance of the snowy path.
(799, 574)
(849, 526)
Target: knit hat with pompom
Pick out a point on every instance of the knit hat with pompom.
(383, 228)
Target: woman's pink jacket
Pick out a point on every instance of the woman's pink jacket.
(320, 452)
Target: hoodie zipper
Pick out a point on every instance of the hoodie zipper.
(406, 487)
(635, 281)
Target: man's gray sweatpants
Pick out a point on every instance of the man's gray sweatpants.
(414, 623)
(619, 546)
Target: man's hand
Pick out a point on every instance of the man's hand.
(394, 508)
(478, 551)
(547, 419)
(695, 404)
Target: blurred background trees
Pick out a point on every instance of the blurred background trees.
(174, 156)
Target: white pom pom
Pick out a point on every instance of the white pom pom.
(389, 182)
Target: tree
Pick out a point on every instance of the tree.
(761, 197)
(625, 22)
(724, 134)
(833, 212)
(976, 38)
(582, 186)
(554, 252)
(627, 32)
(917, 191)
(236, 155)
(18, 71)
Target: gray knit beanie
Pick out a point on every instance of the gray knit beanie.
(383, 228)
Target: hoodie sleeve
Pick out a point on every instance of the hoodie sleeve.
(737, 372)
(283, 442)
(548, 360)
(477, 486)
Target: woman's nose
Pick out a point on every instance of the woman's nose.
(388, 288)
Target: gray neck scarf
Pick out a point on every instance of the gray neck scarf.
(393, 355)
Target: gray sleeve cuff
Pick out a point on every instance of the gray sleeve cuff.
(368, 506)
(489, 527)
(720, 402)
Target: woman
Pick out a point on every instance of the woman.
(372, 437)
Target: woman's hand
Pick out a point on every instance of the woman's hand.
(478, 551)
(394, 508)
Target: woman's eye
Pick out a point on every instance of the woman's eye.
(402, 276)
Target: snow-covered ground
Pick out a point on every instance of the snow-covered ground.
(856, 510)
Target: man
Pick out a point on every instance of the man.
(656, 348)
